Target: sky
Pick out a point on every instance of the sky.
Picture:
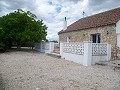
(53, 12)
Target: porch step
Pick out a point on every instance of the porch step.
(114, 64)
(56, 55)
(56, 51)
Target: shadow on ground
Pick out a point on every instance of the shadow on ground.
(23, 49)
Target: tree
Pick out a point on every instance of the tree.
(20, 27)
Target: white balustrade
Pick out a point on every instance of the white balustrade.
(99, 49)
(86, 53)
(74, 48)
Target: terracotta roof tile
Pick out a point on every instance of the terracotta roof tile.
(97, 20)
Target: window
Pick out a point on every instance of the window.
(68, 39)
(95, 38)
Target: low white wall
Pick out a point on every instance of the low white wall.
(72, 51)
(96, 59)
(39, 47)
(86, 53)
(42, 47)
(45, 47)
(101, 52)
(49, 47)
(73, 57)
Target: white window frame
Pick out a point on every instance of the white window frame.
(68, 39)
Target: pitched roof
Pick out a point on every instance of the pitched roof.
(97, 20)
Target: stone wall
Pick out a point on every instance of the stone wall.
(107, 35)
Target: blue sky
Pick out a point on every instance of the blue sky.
(53, 12)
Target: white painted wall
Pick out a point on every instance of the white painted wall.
(118, 33)
(87, 59)
(51, 47)
(85, 55)
(69, 56)
(45, 47)
(39, 47)
(108, 57)
(61, 50)
(42, 47)
(118, 39)
(118, 27)
(73, 57)
(96, 59)
(103, 57)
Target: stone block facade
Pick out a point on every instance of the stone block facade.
(107, 35)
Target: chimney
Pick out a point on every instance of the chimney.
(65, 24)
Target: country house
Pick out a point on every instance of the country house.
(98, 28)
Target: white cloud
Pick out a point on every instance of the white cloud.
(54, 11)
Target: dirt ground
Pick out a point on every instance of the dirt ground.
(28, 70)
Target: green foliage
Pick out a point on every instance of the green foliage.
(20, 27)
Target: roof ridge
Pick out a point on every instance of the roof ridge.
(96, 14)
(96, 20)
(106, 11)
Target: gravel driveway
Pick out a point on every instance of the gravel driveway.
(20, 70)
